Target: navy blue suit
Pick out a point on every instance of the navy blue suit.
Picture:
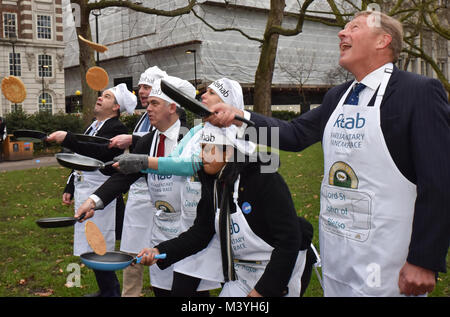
(415, 121)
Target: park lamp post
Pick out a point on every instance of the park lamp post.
(195, 67)
(78, 94)
(13, 41)
(96, 13)
(43, 101)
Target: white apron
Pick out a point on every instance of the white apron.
(85, 184)
(165, 195)
(367, 205)
(200, 264)
(138, 219)
(251, 255)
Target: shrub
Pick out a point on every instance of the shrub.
(43, 121)
(285, 114)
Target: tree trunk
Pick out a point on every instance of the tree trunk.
(87, 60)
(266, 65)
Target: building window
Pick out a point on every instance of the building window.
(45, 65)
(15, 68)
(414, 65)
(9, 25)
(45, 102)
(44, 27)
(16, 107)
(443, 67)
(423, 69)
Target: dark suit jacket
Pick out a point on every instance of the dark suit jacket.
(272, 218)
(415, 120)
(120, 183)
(110, 128)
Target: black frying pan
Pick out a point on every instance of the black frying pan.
(30, 135)
(191, 103)
(91, 139)
(58, 222)
(80, 162)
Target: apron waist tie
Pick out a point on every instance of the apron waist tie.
(250, 261)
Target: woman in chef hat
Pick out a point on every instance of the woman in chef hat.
(249, 214)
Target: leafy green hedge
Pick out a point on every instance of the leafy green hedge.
(285, 114)
(43, 121)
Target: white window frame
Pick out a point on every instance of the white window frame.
(18, 71)
(5, 19)
(46, 27)
(16, 107)
(40, 104)
(50, 69)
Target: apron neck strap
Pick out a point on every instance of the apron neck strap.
(382, 89)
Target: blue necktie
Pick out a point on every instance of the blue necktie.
(145, 126)
(354, 96)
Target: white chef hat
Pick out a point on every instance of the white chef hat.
(180, 84)
(125, 98)
(150, 75)
(230, 91)
(226, 136)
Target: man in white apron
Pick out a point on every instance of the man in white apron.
(386, 141)
(164, 191)
(107, 124)
(138, 220)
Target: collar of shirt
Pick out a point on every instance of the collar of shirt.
(372, 82)
(171, 137)
(96, 125)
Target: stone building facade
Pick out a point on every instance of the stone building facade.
(32, 48)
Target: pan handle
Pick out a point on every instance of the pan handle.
(158, 256)
(249, 122)
(107, 163)
(81, 217)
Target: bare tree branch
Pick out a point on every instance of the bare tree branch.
(139, 8)
(226, 29)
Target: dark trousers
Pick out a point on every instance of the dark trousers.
(120, 214)
(107, 283)
(186, 286)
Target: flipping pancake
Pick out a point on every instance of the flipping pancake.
(97, 78)
(95, 238)
(97, 47)
(14, 89)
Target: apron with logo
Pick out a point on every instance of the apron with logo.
(165, 195)
(367, 205)
(251, 255)
(199, 265)
(139, 213)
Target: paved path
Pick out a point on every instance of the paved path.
(26, 164)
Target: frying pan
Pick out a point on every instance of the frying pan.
(191, 103)
(30, 135)
(58, 222)
(80, 162)
(111, 261)
(91, 138)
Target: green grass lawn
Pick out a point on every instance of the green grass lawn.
(38, 262)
